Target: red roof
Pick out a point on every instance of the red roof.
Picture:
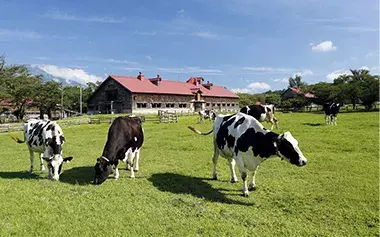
(170, 87)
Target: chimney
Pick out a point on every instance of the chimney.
(140, 76)
(208, 85)
(156, 80)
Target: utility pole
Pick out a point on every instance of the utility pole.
(62, 102)
(80, 99)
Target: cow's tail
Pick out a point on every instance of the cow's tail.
(17, 139)
(199, 132)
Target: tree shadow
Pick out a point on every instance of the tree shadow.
(313, 124)
(181, 184)
(83, 175)
(18, 175)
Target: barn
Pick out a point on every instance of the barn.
(128, 94)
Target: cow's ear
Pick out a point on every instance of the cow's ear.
(47, 158)
(67, 159)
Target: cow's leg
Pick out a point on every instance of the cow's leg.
(252, 183)
(31, 161)
(136, 163)
(215, 162)
(275, 121)
(334, 119)
(231, 164)
(327, 118)
(131, 163)
(127, 158)
(42, 167)
(116, 171)
(243, 173)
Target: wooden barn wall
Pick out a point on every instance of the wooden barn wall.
(99, 103)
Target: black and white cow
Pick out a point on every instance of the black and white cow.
(261, 113)
(206, 114)
(125, 138)
(242, 139)
(46, 138)
(331, 112)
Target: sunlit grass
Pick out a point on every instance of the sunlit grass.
(336, 194)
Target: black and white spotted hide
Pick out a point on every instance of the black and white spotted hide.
(206, 114)
(45, 138)
(242, 139)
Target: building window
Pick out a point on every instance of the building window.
(182, 105)
(141, 105)
(169, 105)
(207, 104)
(156, 105)
(228, 105)
(213, 104)
(218, 104)
(232, 104)
(223, 104)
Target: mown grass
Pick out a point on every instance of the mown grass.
(336, 194)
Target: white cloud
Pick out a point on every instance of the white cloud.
(145, 33)
(111, 60)
(268, 69)
(41, 58)
(191, 70)
(206, 35)
(148, 57)
(56, 15)
(254, 87)
(282, 80)
(132, 69)
(6, 34)
(335, 74)
(304, 73)
(78, 75)
(324, 46)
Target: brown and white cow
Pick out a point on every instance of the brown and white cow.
(46, 138)
(242, 139)
(261, 113)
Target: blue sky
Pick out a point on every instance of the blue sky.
(244, 45)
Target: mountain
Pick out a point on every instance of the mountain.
(36, 70)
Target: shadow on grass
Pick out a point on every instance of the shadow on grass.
(83, 175)
(313, 124)
(181, 184)
(18, 175)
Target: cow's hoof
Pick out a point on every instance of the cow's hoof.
(136, 170)
(234, 180)
(30, 171)
(244, 194)
(127, 168)
(252, 188)
(132, 177)
(116, 177)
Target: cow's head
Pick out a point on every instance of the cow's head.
(53, 156)
(102, 170)
(54, 165)
(288, 149)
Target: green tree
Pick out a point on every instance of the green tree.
(325, 92)
(47, 98)
(296, 82)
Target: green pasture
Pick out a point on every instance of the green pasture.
(336, 194)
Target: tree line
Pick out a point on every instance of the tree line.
(23, 89)
(359, 87)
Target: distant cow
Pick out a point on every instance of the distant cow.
(242, 139)
(331, 112)
(206, 114)
(261, 113)
(125, 138)
(46, 138)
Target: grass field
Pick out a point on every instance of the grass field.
(336, 194)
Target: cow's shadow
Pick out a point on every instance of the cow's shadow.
(313, 124)
(181, 184)
(18, 175)
(83, 175)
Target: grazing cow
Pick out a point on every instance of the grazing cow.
(125, 138)
(206, 114)
(261, 113)
(331, 112)
(46, 138)
(242, 139)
